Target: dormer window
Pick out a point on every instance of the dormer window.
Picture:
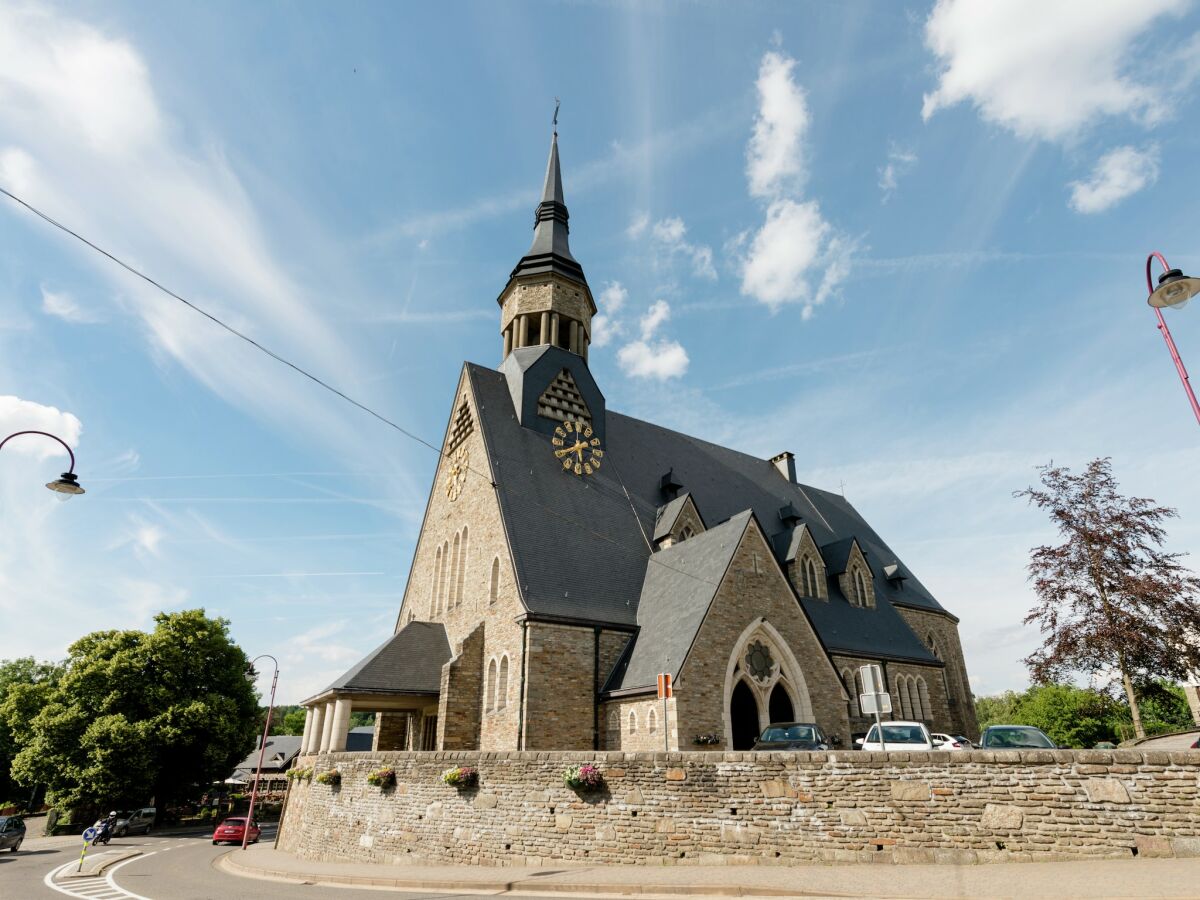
(686, 533)
(860, 589)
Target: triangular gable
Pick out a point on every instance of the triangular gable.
(681, 509)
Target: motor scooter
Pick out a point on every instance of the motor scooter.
(103, 832)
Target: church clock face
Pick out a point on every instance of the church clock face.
(577, 447)
(456, 477)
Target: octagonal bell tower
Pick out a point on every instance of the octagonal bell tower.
(547, 300)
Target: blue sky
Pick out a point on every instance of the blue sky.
(904, 242)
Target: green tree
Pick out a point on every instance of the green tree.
(141, 715)
(998, 710)
(289, 720)
(24, 685)
(1071, 716)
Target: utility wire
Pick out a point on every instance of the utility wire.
(344, 396)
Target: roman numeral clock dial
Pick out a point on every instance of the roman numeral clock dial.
(577, 448)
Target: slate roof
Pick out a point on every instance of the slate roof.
(285, 745)
(667, 515)
(678, 589)
(581, 555)
(837, 556)
(409, 662)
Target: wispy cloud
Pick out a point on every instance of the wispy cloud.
(1118, 174)
(899, 163)
(670, 236)
(608, 324)
(26, 415)
(651, 356)
(62, 305)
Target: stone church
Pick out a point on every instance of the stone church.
(570, 554)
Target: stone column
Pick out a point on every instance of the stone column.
(308, 723)
(341, 725)
(573, 344)
(583, 343)
(523, 331)
(314, 735)
(508, 340)
(544, 337)
(326, 728)
(554, 329)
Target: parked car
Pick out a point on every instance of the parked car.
(942, 741)
(12, 832)
(139, 821)
(232, 830)
(1196, 744)
(792, 736)
(1015, 737)
(898, 736)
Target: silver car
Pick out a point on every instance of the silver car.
(139, 821)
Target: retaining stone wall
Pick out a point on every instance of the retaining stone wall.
(777, 808)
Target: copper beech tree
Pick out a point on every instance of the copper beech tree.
(1110, 600)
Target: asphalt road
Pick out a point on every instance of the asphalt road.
(179, 867)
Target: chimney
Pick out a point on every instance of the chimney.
(785, 462)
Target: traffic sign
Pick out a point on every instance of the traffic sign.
(665, 690)
(89, 834)
(875, 703)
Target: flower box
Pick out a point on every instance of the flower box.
(461, 777)
(331, 777)
(382, 778)
(583, 778)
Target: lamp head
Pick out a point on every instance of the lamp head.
(67, 486)
(251, 673)
(1174, 290)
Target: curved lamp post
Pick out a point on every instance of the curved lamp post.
(251, 674)
(1173, 292)
(67, 485)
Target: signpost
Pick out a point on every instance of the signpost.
(89, 835)
(665, 691)
(874, 698)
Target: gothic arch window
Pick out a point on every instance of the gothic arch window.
(452, 587)
(436, 593)
(462, 564)
(502, 684)
(489, 689)
(906, 692)
(860, 589)
(686, 533)
(852, 704)
(652, 722)
(442, 586)
(494, 584)
(923, 698)
(810, 578)
(633, 721)
(780, 708)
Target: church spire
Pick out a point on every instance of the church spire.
(547, 299)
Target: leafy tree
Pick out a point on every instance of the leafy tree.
(998, 710)
(1164, 707)
(24, 684)
(1071, 716)
(1109, 599)
(139, 715)
(291, 722)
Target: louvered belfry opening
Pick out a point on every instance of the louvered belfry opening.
(562, 400)
(462, 428)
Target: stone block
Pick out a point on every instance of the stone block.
(1186, 846)
(1106, 790)
(486, 801)
(563, 822)
(675, 774)
(1152, 846)
(943, 792)
(774, 788)
(854, 817)
(997, 817)
(633, 797)
(910, 790)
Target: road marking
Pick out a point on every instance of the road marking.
(95, 890)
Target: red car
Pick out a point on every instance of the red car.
(233, 830)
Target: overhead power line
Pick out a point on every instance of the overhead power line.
(346, 397)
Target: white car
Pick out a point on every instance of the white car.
(950, 742)
(897, 736)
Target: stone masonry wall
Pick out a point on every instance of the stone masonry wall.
(765, 808)
(560, 698)
(944, 632)
(462, 695)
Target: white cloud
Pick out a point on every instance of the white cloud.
(899, 163)
(62, 305)
(608, 325)
(1043, 70)
(1118, 174)
(670, 237)
(653, 359)
(25, 415)
(775, 157)
(795, 245)
(638, 226)
(650, 358)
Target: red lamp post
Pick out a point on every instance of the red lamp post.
(67, 485)
(1174, 291)
(251, 674)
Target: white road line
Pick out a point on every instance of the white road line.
(94, 890)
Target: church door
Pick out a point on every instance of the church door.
(781, 705)
(743, 717)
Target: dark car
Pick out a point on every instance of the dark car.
(792, 736)
(12, 832)
(1015, 737)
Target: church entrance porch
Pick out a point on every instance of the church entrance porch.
(743, 717)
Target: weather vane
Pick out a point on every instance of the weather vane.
(557, 103)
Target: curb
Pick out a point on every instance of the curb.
(102, 863)
(228, 864)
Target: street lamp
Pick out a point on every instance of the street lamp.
(66, 485)
(250, 676)
(1174, 291)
